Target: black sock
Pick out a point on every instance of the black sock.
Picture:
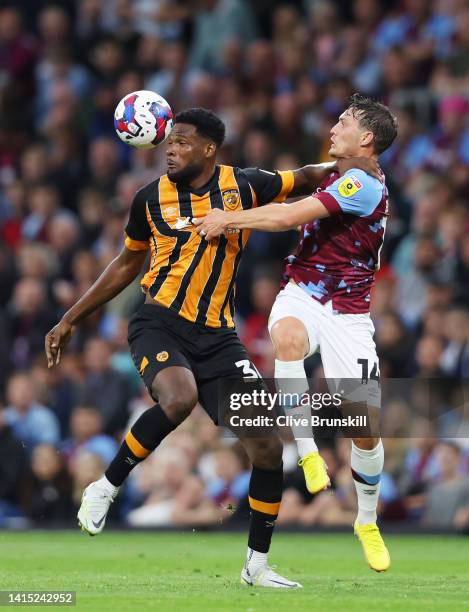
(147, 432)
(265, 495)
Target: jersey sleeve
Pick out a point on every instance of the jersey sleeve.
(137, 231)
(269, 186)
(354, 193)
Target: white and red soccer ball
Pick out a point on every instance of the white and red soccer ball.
(143, 119)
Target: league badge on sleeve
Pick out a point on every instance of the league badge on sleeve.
(349, 186)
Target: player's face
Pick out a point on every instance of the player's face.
(186, 153)
(346, 136)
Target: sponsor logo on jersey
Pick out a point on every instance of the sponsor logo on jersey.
(183, 223)
(349, 186)
(231, 198)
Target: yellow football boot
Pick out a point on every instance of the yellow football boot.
(373, 545)
(315, 470)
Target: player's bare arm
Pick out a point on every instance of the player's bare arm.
(308, 178)
(119, 274)
(268, 218)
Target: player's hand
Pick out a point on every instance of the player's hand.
(56, 340)
(370, 166)
(213, 225)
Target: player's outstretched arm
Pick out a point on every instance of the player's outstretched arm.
(308, 178)
(119, 274)
(268, 218)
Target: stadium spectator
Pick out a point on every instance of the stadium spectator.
(85, 468)
(174, 496)
(46, 492)
(215, 24)
(26, 321)
(86, 426)
(31, 422)
(231, 482)
(159, 479)
(12, 467)
(450, 494)
(455, 357)
(104, 387)
(55, 389)
(18, 54)
(395, 347)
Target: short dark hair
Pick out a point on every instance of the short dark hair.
(206, 123)
(376, 117)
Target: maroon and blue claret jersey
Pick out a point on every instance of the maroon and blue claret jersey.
(337, 257)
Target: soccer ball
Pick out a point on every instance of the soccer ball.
(143, 119)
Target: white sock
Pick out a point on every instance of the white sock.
(367, 466)
(291, 377)
(108, 485)
(255, 561)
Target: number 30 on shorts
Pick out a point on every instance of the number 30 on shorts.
(249, 369)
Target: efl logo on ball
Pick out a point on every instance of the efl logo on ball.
(143, 119)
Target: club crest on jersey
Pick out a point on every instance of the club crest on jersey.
(230, 198)
(163, 356)
(349, 185)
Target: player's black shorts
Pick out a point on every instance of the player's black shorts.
(159, 338)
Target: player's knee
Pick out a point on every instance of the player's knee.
(177, 404)
(267, 453)
(366, 443)
(290, 339)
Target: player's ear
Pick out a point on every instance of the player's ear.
(211, 149)
(367, 138)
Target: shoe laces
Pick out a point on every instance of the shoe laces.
(95, 502)
(269, 571)
(304, 460)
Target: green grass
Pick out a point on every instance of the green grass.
(200, 571)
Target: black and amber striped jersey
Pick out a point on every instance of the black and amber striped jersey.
(187, 274)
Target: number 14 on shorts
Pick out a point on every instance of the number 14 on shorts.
(366, 374)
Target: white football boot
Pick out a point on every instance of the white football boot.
(266, 577)
(95, 503)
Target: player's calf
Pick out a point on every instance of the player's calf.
(291, 341)
(265, 494)
(265, 453)
(367, 465)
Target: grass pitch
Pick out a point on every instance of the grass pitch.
(200, 571)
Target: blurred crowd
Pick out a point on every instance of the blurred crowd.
(278, 73)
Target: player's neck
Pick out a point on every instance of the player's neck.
(363, 153)
(203, 178)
